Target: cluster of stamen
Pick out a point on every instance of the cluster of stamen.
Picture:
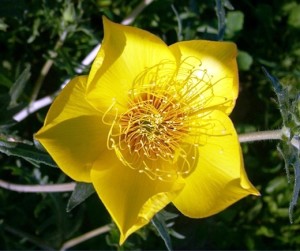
(165, 110)
(153, 127)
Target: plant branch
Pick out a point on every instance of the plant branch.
(136, 11)
(52, 188)
(260, 136)
(85, 237)
(46, 68)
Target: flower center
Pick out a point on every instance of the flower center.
(152, 127)
(165, 120)
(148, 136)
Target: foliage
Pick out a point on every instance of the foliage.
(62, 33)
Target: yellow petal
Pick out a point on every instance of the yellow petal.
(215, 70)
(71, 102)
(219, 178)
(131, 198)
(73, 133)
(125, 53)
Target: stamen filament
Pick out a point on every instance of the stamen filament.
(167, 106)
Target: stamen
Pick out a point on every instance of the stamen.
(166, 105)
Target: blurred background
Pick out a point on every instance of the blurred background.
(42, 43)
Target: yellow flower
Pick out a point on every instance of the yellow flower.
(149, 125)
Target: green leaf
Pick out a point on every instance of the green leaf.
(167, 215)
(35, 30)
(227, 4)
(69, 14)
(3, 25)
(22, 149)
(244, 60)
(235, 23)
(294, 17)
(18, 87)
(81, 192)
(159, 223)
(6, 114)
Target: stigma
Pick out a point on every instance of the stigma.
(152, 127)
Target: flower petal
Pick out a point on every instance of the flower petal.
(73, 132)
(125, 53)
(71, 102)
(131, 198)
(214, 70)
(219, 178)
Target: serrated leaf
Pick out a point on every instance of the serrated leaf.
(221, 19)
(282, 97)
(26, 152)
(275, 82)
(159, 223)
(288, 105)
(81, 192)
(296, 190)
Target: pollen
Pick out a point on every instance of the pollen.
(153, 127)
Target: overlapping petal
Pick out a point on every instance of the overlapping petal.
(219, 179)
(131, 197)
(70, 103)
(214, 71)
(125, 53)
(85, 126)
(73, 132)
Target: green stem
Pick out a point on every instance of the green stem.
(260, 136)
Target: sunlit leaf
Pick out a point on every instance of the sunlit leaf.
(26, 152)
(244, 60)
(18, 87)
(81, 192)
(159, 222)
(234, 22)
(294, 17)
